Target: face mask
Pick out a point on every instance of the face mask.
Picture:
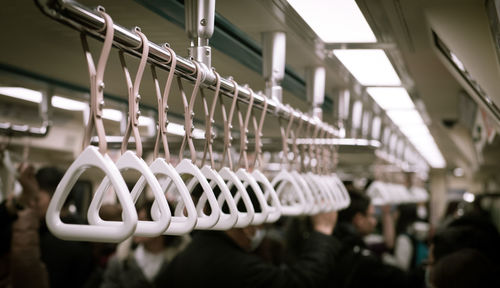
(422, 212)
(257, 239)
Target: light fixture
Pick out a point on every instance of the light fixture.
(469, 197)
(458, 172)
(146, 121)
(112, 114)
(427, 147)
(339, 141)
(22, 93)
(389, 98)
(405, 117)
(68, 104)
(335, 21)
(370, 67)
(175, 129)
(178, 129)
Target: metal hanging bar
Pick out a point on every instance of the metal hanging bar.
(82, 18)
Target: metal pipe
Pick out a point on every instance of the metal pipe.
(273, 62)
(200, 17)
(82, 18)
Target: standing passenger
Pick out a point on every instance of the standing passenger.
(359, 267)
(225, 259)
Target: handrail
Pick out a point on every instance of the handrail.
(82, 18)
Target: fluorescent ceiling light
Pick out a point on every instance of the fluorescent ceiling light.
(429, 150)
(389, 98)
(178, 129)
(146, 121)
(68, 104)
(405, 117)
(22, 93)
(335, 21)
(370, 67)
(112, 114)
(339, 141)
(423, 141)
(415, 131)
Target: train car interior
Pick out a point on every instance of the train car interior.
(277, 110)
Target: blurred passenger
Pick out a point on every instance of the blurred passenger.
(359, 266)
(144, 266)
(69, 263)
(228, 259)
(410, 247)
(463, 269)
(20, 263)
(468, 231)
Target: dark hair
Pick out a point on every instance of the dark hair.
(456, 237)
(48, 178)
(407, 216)
(464, 268)
(359, 204)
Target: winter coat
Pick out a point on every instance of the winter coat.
(359, 267)
(213, 260)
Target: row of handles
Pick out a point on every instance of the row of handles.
(384, 193)
(227, 191)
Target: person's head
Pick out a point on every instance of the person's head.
(467, 233)
(360, 213)
(464, 268)
(47, 178)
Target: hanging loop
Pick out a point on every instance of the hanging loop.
(209, 121)
(258, 161)
(161, 135)
(228, 126)
(243, 161)
(97, 84)
(133, 96)
(189, 114)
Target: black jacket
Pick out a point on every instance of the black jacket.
(213, 260)
(358, 267)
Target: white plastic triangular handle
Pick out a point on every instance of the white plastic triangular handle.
(170, 179)
(270, 195)
(321, 199)
(203, 221)
(248, 180)
(329, 193)
(244, 218)
(226, 221)
(91, 158)
(334, 191)
(282, 182)
(343, 192)
(312, 206)
(130, 161)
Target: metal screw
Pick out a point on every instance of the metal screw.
(101, 86)
(203, 22)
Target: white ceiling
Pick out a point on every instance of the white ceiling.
(33, 42)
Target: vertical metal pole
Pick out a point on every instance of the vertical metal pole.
(273, 62)
(200, 17)
(315, 88)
